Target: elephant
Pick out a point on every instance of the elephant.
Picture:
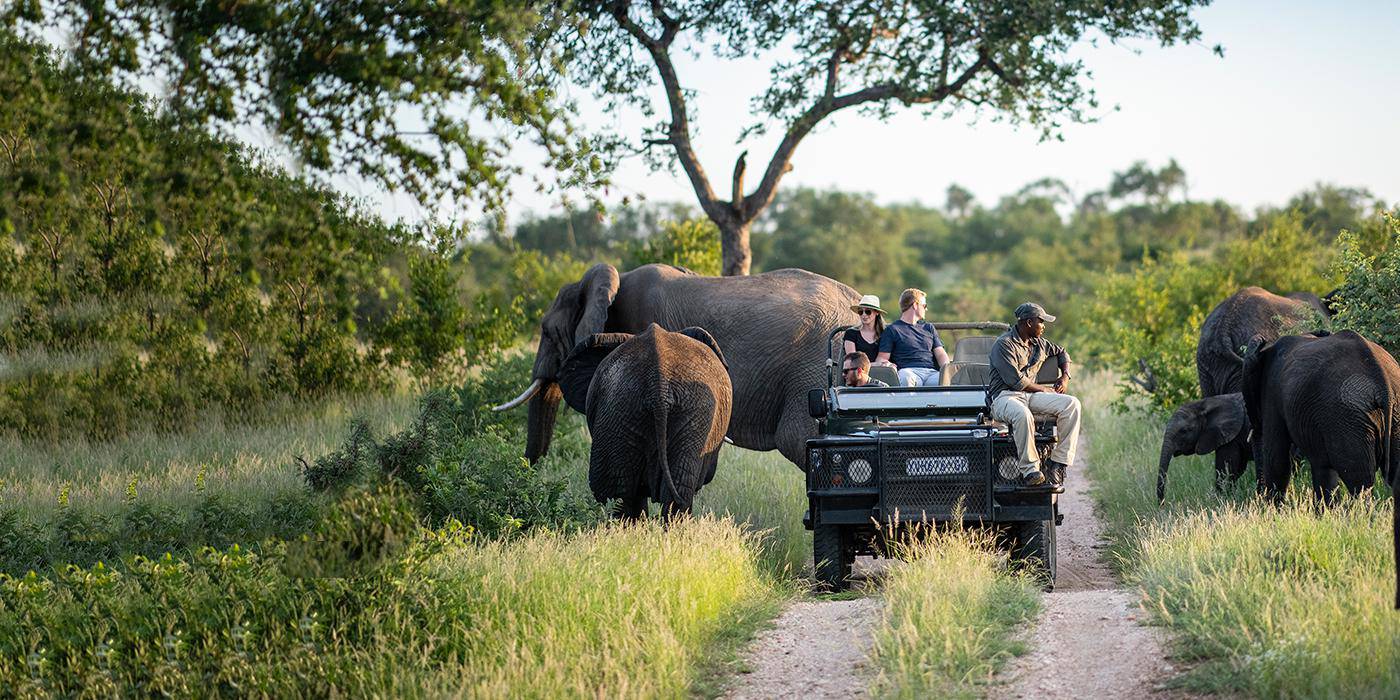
(1334, 398)
(774, 328)
(1201, 427)
(1248, 313)
(658, 405)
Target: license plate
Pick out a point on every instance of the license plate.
(936, 466)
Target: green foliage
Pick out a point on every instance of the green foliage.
(844, 236)
(462, 462)
(1265, 601)
(952, 617)
(1151, 316)
(692, 244)
(1369, 297)
(334, 86)
(437, 614)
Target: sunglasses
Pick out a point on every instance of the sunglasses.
(869, 312)
(849, 369)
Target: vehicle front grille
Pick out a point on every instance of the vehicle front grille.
(831, 467)
(925, 480)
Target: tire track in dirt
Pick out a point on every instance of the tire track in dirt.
(816, 649)
(1088, 642)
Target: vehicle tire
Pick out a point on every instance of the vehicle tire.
(832, 557)
(1033, 549)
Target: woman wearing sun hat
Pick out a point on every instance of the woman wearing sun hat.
(866, 339)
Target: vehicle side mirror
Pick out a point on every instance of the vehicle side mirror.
(817, 406)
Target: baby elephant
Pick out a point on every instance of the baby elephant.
(1213, 424)
(658, 407)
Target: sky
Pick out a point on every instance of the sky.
(1306, 92)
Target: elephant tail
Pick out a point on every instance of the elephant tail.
(670, 495)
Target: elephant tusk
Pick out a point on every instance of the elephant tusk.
(726, 439)
(524, 396)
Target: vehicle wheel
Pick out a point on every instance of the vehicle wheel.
(1033, 548)
(832, 557)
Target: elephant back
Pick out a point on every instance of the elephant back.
(1252, 312)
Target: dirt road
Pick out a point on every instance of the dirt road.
(1087, 643)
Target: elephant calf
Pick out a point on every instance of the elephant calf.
(658, 406)
(1202, 427)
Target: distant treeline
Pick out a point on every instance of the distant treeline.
(151, 273)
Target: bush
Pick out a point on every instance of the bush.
(692, 244)
(463, 462)
(1369, 296)
(1152, 315)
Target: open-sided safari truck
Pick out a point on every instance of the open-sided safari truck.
(888, 459)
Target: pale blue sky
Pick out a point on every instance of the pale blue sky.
(1307, 92)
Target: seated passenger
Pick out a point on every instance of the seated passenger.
(912, 344)
(855, 371)
(866, 339)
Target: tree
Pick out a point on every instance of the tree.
(425, 96)
(1006, 57)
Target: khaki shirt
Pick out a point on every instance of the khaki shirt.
(1015, 362)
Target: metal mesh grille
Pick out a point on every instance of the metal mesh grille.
(833, 468)
(931, 479)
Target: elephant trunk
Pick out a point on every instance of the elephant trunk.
(1162, 466)
(544, 408)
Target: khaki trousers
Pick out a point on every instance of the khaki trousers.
(1018, 410)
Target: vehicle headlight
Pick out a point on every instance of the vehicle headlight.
(1008, 467)
(859, 470)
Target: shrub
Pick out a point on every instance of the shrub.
(692, 244)
(1369, 296)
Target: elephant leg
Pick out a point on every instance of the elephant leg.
(1274, 461)
(1230, 462)
(631, 507)
(1324, 482)
(795, 426)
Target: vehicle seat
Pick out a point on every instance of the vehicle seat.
(885, 373)
(974, 348)
(1049, 372)
(966, 374)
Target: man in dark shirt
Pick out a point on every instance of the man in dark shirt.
(912, 344)
(855, 371)
(1016, 398)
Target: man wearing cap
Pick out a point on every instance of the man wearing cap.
(1016, 398)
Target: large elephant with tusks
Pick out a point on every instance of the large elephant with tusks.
(774, 329)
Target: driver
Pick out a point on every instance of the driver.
(1016, 398)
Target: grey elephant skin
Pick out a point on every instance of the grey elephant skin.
(1252, 312)
(1334, 398)
(1201, 427)
(658, 405)
(773, 328)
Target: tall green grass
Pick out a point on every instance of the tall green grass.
(630, 611)
(952, 611)
(240, 461)
(768, 494)
(1291, 601)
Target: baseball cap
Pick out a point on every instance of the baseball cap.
(1031, 309)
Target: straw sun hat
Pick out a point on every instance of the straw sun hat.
(869, 301)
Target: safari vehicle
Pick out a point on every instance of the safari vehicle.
(888, 459)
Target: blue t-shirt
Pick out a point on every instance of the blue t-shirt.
(910, 344)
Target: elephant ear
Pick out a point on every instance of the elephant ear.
(596, 292)
(1222, 421)
(704, 336)
(582, 363)
(1256, 356)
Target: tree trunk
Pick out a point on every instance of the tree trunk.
(734, 248)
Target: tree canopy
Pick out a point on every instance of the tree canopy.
(430, 96)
